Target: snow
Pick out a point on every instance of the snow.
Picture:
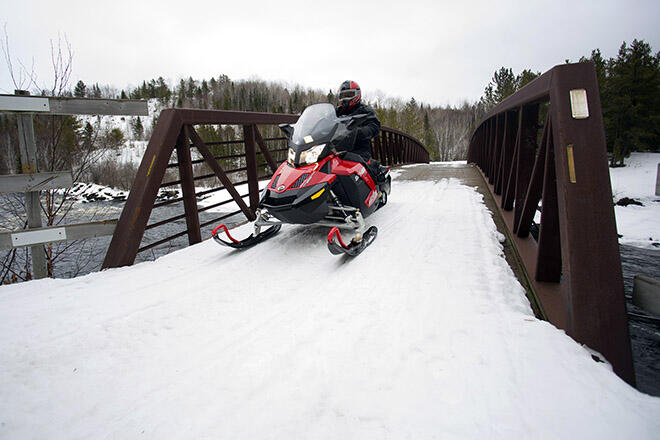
(455, 163)
(133, 149)
(639, 225)
(92, 192)
(131, 152)
(426, 335)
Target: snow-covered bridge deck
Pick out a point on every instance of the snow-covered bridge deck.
(427, 334)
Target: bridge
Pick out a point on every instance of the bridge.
(459, 308)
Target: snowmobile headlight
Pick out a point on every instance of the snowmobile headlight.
(292, 156)
(312, 155)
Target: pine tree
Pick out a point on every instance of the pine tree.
(79, 91)
(411, 123)
(182, 91)
(138, 128)
(87, 135)
(600, 65)
(525, 77)
(632, 105)
(503, 84)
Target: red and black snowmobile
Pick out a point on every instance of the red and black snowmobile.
(320, 184)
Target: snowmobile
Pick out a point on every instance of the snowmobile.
(320, 183)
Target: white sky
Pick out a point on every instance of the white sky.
(439, 52)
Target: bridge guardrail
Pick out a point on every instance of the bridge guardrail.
(256, 160)
(31, 182)
(574, 265)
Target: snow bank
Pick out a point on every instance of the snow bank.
(426, 335)
(639, 225)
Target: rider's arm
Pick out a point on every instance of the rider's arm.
(370, 127)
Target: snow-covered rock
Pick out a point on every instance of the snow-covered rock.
(91, 192)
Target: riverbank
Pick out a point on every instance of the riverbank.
(638, 223)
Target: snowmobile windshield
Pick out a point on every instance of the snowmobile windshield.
(315, 124)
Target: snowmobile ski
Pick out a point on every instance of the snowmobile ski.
(246, 243)
(337, 246)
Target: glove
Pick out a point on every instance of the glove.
(347, 142)
(351, 137)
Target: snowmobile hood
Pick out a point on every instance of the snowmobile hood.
(287, 177)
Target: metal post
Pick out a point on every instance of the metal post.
(527, 129)
(10, 155)
(657, 182)
(592, 281)
(28, 151)
(251, 165)
(188, 186)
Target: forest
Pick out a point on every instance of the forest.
(629, 85)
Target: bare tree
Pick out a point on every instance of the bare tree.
(21, 77)
(61, 60)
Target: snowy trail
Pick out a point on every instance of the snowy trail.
(426, 335)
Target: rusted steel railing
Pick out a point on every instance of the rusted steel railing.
(253, 158)
(559, 161)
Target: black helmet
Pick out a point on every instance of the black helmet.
(349, 95)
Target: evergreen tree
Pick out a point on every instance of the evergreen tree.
(182, 91)
(138, 128)
(191, 88)
(87, 136)
(96, 91)
(79, 90)
(600, 65)
(410, 120)
(525, 77)
(503, 84)
(631, 107)
(163, 92)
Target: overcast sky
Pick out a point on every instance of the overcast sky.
(439, 52)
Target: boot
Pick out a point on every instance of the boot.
(382, 172)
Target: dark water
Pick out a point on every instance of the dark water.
(644, 327)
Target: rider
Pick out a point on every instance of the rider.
(350, 104)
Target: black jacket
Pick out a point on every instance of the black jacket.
(365, 130)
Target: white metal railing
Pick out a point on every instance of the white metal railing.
(31, 182)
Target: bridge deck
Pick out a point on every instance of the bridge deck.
(549, 294)
(427, 334)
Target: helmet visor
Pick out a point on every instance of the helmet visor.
(347, 95)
